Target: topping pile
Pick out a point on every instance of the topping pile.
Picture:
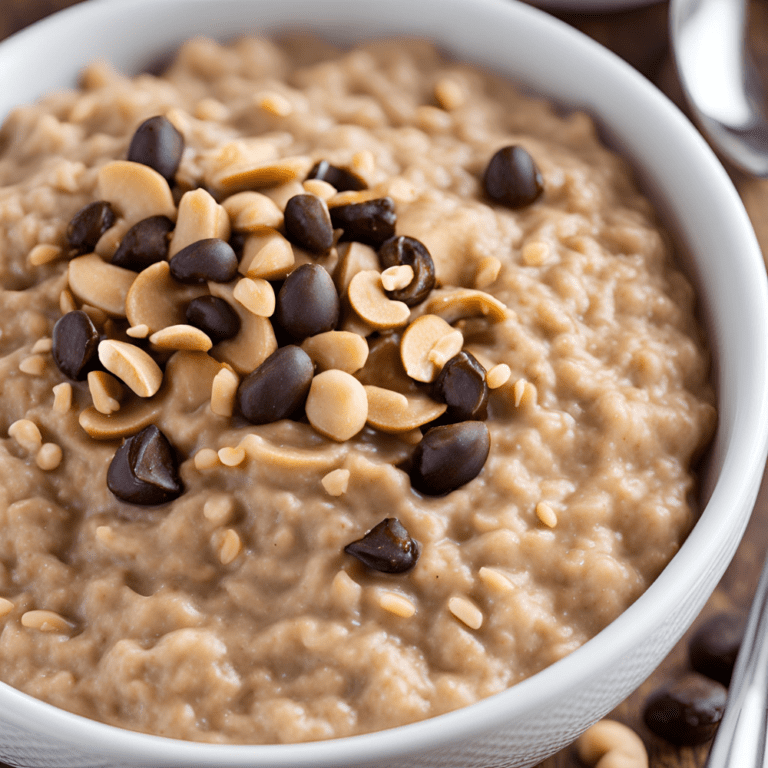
(287, 304)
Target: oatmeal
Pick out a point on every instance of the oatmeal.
(340, 390)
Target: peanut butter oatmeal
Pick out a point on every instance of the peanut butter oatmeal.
(339, 390)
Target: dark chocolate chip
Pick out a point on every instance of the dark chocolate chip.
(688, 711)
(144, 244)
(144, 470)
(387, 548)
(409, 251)
(89, 224)
(371, 222)
(449, 456)
(278, 387)
(75, 345)
(461, 385)
(342, 179)
(713, 648)
(210, 259)
(213, 316)
(512, 178)
(307, 303)
(158, 144)
(308, 223)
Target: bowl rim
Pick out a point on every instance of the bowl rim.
(735, 488)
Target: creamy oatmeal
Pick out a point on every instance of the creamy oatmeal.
(224, 514)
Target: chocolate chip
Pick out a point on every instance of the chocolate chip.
(409, 251)
(371, 222)
(278, 387)
(144, 244)
(89, 224)
(461, 384)
(307, 303)
(75, 345)
(387, 548)
(688, 711)
(512, 178)
(210, 259)
(713, 648)
(308, 223)
(213, 316)
(159, 145)
(144, 470)
(449, 456)
(342, 179)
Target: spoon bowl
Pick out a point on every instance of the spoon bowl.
(722, 86)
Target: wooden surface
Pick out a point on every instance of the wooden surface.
(639, 36)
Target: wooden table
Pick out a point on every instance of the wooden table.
(640, 37)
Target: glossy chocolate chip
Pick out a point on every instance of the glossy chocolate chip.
(88, 225)
(371, 222)
(210, 259)
(308, 223)
(342, 179)
(409, 251)
(213, 316)
(461, 385)
(75, 345)
(144, 244)
(713, 648)
(688, 711)
(307, 303)
(144, 470)
(512, 178)
(449, 456)
(159, 145)
(278, 387)
(387, 548)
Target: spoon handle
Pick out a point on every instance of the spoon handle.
(740, 741)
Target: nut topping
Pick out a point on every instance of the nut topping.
(102, 285)
(131, 365)
(420, 339)
(135, 191)
(370, 302)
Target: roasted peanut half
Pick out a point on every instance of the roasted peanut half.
(156, 300)
(337, 405)
(255, 341)
(372, 305)
(102, 285)
(253, 212)
(393, 412)
(427, 343)
(270, 174)
(464, 303)
(342, 350)
(135, 190)
(200, 217)
(267, 255)
(131, 365)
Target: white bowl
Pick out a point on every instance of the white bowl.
(542, 714)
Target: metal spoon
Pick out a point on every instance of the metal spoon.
(720, 83)
(740, 741)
